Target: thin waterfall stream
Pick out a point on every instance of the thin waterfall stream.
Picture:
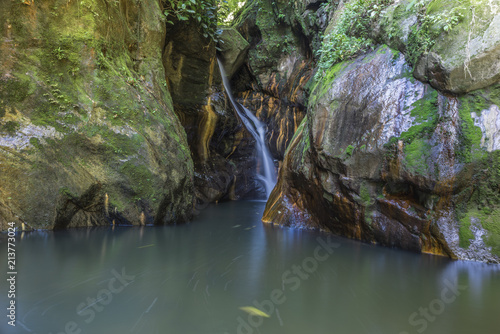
(265, 165)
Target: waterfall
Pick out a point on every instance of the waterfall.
(265, 167)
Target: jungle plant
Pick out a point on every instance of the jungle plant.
(351, 34)
(204, 12)
(424, 34)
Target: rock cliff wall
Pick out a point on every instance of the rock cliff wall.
(389, 159)
(88, 131)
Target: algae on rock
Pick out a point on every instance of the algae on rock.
(96, 141)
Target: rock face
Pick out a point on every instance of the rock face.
(221, 148)
(188, 59)
(387, 159)
(384, 158)
(464, 55)
(469, 57)
(88, 131)
(233, 50)
(272, 82)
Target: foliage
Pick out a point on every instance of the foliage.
(351, 34)
(423, 35)
(226, 10)
(204, 12)
(207, 13)
(349, 150)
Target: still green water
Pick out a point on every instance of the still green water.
(195, 278)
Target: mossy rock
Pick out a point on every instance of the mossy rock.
(233, 49)
(92, 135)
(465, 58)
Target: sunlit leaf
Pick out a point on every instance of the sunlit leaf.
(254, 311)
(146, 246)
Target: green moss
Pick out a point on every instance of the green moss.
(425, 113)
(486, 194)
(45, 114)
(248, 11)
(464, 232)
(417, 149)
(322, 84)
(333, 71)
(65, 191)
(115, 143)
(364, 194)
(349, 150)
(439, 17)
(367, 201)
(492, 224)
(417, 154)
(484, 202)
(10, 127)
(307, 144)
(351, 34)
(298, 132)
(14, 90)
(470, 134)
(36, 142)
(489, 220)
(141, 179)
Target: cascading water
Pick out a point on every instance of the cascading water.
(265, 166)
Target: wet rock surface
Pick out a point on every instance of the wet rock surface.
(88, 132)
(384, 158)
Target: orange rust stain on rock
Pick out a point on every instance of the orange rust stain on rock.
(277, 201)
(206, 126)
(237, 140)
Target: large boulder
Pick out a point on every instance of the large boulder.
(468, 58)
(88, 134)
(188, 60)
(233, 50)
(384, 158)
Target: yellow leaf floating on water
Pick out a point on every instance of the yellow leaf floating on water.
(146, 246)
(254, 311)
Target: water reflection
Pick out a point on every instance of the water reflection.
(194, 278)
